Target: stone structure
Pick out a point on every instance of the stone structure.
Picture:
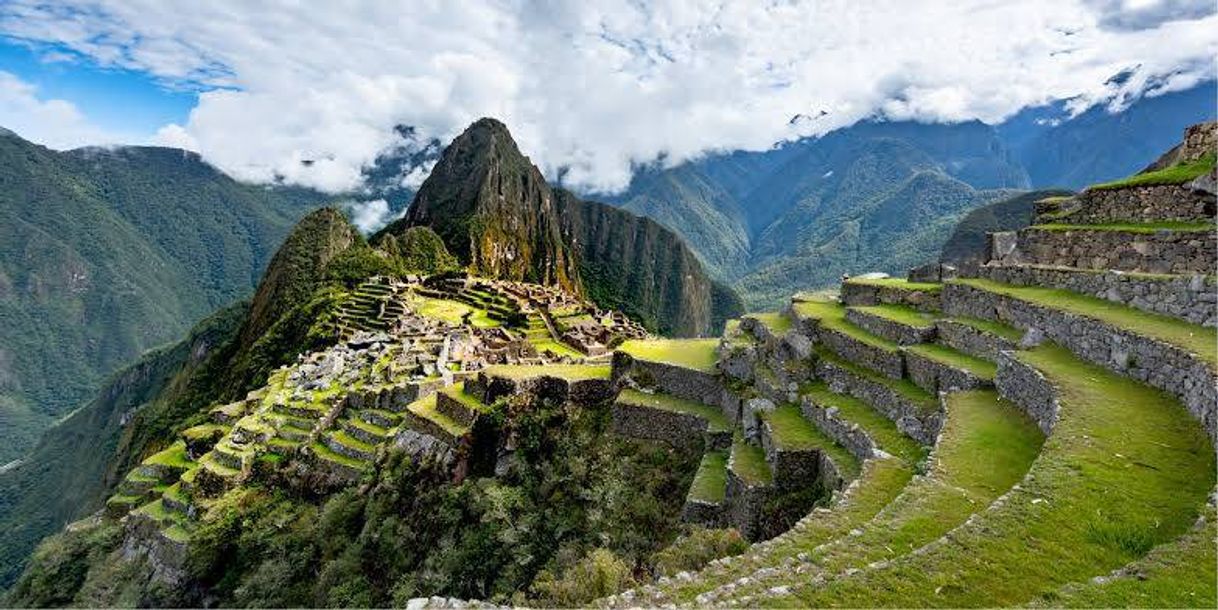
(1025, 386)
(972, 340)
(677, 429)
(1158, 252)
(934, 376)
(868, 293)
(911, 418)
(1154, 203)
(897, 332)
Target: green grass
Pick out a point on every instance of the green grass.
(666, 402)
(986, 447)
(710, 482)
(998, 329)
(174, 457)
(1179, 574)
(329, 454)
(1126, 468)
(696, 354)
(943, 354)
(833, 317)
(748, 462)
(426, 408)
(559, 348)
(204, 431)
(352, 442)
(175, 492)
(373, 429)
(920, 398)
(451, 311)
(792, 432)
(776, 322)
(1132, 227)
(901, 314)
(883, 431)
(1176, 174)
(457, 392)
(1199, 340)
(894, 282)
(568, 372)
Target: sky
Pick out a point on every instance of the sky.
(309, 92)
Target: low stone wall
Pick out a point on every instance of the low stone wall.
(426, 426)
(677, 429)
(914, 422)
(744, 505)
(1162, 365)
(932, 273)
(737, 361)
(346, 450)
(934, 376)
(489, 388)
(1025, 386)
(793, 469)
(1160, 252)
(707, 514)
(854, 293)
(845, 433)
(887, 362)
(1157, 203)
(424, 447)
(166, 558)
(678, 381)
(455, 409)
(972, 341)
(889, 329)
(1191, 298)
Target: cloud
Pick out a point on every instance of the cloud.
(54, 123)
(368, 216)
(309, 93)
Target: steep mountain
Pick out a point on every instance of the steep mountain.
(965, 248)
(105, 253)
(497, 215)
(80, 459)
(1098, 145)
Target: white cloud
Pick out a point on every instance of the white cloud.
(309, 93)
(368, 216)
(54, 123)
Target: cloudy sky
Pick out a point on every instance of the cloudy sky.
(589, 87)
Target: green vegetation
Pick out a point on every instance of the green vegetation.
(792, 432)
(567, 372)
(1115, 478)
(710, 482)
(562, 349)
(452, 312)
(901, 314)
(983, 369)
(329, 454)
(696, 549)
(1132, 227)
(833, 317)
(418, 250)
(906, 388)
(696, 354)
(777, 323)
(748, 462)
(998, 329)
(967, 245)
(426, 408)
(896, 282)
(1199, 340)
(882, 431)
(1176, 174)
(173, 457)
(713, 415)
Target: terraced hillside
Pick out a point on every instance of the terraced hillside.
(1041, 434)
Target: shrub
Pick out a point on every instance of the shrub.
(598, 574)
(696, 549)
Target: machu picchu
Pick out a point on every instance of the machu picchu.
(389, 424)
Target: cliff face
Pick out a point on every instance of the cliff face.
(495, 212)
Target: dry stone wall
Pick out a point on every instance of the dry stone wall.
(934, 376)
(859, 293)
(972, 341)
(887, 362)
(1027, 387)
(909, 418)
(1192, 298)
(845, 433)
(1159, 252)
(1157, 203)
(677, 429)
(888, 329)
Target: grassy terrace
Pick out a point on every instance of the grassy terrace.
(568, 372)
(748, 462)
(457, 392)
(776, 322)
(562, 349)
(1115, 478)
(173, 457)
(710, 483)
(921, 398)
(956, 359)
(351, 441)
(1132, 227)
(883, 431)
(665, 402)
(452, 311)
(901, 314)
(1179, 574)
(1199, 340)
(833, 317)
(793, 432)
(328, 454)
(1176, 174)
(896, 282)
(426, 408)
(998, 329)
(986, 448)
(696, 354)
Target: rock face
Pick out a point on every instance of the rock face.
(494, 211)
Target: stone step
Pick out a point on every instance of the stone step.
(900, 324)
(227, 456)
(855, 425)
(284, 446)
(1192, 298)
(363, 431)
(1062, 523)
(1179, 248)
(379, 417)
(138, 484)
(297, 410)
(294, 433)
(423, 417)
(938, 368)
(750, 484)
(338, 463)
(915, 411)
(799, 453)
(891, 291)
(347, 445)
(826, 321)
(1146, 203)
(1167, 353)
(175, 500)
(976, 337)
(704, 504)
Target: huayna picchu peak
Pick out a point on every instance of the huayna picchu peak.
(395, 424)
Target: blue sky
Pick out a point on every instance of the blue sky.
(119, 100)
(591, 89)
